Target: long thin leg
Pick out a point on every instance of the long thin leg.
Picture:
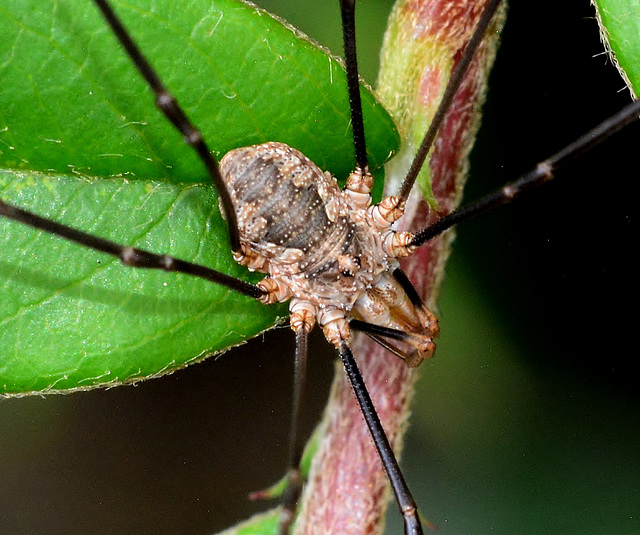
(405, 501)
(294, 479)
(449, 92)
(403, 496)
(348, 8)
(380, 330)
(380, 334)
(409, 289)
(543, 172)
(169, 106)
(416, 340)
(129, 256)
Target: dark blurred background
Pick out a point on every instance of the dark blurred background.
(525, 422)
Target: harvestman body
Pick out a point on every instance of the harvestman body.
(327, 251)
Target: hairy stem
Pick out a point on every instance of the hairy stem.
(347, 491)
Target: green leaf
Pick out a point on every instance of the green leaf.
(620, 26)
(81, 142)
(260, 524)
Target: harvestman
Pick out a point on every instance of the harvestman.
(412, 345)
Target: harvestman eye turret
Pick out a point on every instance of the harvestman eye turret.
(329, 252)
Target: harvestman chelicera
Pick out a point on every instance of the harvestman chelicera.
(412, 344)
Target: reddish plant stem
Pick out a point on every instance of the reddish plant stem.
(347, 490)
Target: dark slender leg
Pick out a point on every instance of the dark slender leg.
(450, 91)
(380, 330)
(129, 256)
(168, 105)
(294, 479)
(403, 496)
(543, 172)
(408, 288)
(347, 8)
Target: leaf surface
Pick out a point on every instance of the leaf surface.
(81, 142)
(620, 26)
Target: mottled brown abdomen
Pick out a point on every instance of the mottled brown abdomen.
(297, 225)
(287, 208)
